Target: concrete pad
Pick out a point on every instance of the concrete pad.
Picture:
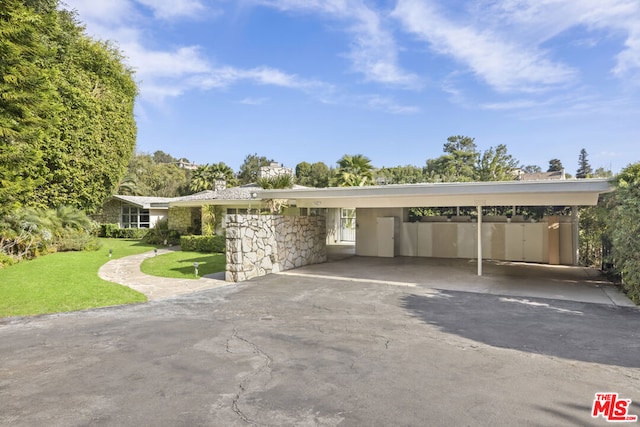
(500, 277)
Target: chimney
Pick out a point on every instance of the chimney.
(219, 185)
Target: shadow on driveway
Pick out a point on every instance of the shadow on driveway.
(571, 330)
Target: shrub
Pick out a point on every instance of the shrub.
(108, 230)
(113, 231)
(6, 260)
(158, 236)
(203, 243)
(76, 240)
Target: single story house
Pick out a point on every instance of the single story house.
(376, 219)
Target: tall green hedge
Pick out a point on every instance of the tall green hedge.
(624, 225)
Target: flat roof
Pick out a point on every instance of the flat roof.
(571, 192)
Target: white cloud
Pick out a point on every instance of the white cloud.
(374, 51)
(503, 63)
(171, 9)
(552, 17)
(252, 101)
(377, 102)
(226, 76)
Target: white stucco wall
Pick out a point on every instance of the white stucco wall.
(521, 241)
(156, 215)
(367, 229)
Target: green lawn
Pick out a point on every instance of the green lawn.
(66, 281)
(179, 264)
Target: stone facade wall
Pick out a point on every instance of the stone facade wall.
(111, 213)
(258, 245)
(182, 218)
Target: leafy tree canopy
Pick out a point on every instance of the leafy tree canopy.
(146, 177)
(555, 165)
(408, 174)
(160, 156)
(463, 162)
(67, 129)
(496, 164)
(531, 169)
(457, 164)
(313, 175)
(250, 167)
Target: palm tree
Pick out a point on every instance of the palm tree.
(201, 179)
(354, 171)
(128, 185)
(205, 176)
(278, 182)
(223, 171)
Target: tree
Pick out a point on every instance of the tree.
(221, 171)
(313, 175)
(67, 129)
(160, 156)
(497, 165)
(408, 174)
(205, 177)
(249, 169)
(278, 182)
(584, 168)
(353, 171)
(531, 169)
(555, 165)
(602, 173)
(145, 177)
(457, 164)
(29, 104)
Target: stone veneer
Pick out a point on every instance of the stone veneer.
(111, 212)
(258, 245)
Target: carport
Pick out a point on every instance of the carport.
(384, 230)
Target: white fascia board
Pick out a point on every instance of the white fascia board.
(528, 193)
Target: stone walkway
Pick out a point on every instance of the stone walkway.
(126, 271)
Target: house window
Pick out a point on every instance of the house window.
(134, 217)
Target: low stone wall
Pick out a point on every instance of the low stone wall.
(258, 245)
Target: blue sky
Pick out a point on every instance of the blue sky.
(311, 80)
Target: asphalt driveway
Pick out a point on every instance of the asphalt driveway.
(294, 350)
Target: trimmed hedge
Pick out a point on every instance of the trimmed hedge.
(113, 231)
(203, 243)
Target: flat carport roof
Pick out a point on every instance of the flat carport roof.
(574, 192)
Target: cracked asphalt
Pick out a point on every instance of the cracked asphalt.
(307, 351)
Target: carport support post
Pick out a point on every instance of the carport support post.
(479, 240)
(575, 225)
